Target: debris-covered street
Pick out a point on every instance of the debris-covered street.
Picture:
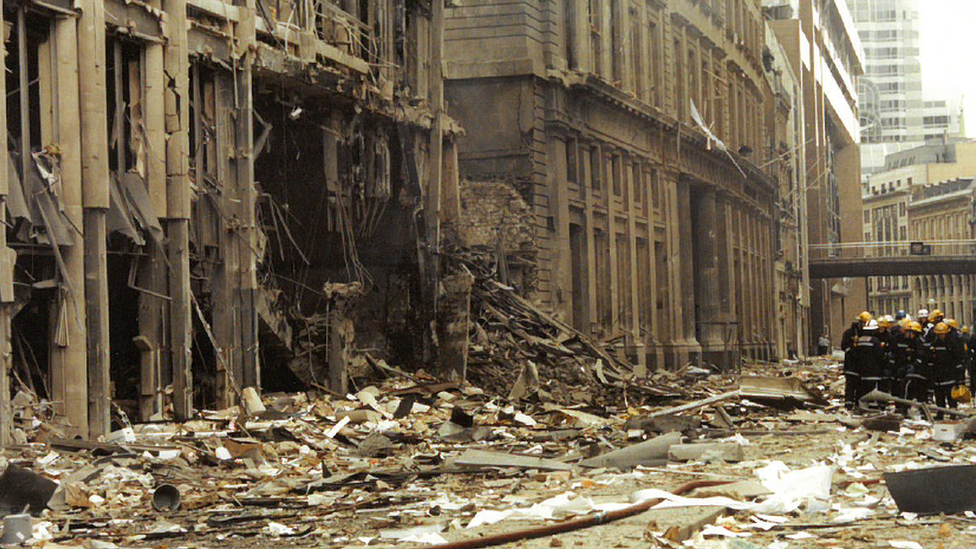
(487, 273)
(768, 458)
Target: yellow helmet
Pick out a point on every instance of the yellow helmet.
(952, 322)
(941, 328)
(904, 323)
(961, 393)
(865, 317)
(965, 329)
(936, 315)
(885, 321)
(915, 327)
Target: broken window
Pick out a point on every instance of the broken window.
(596, 168)
(572, 164)
(616, 172)
(679, 83)
(595, 16)
(601, 244)
(645, 297)
(624, 288)
(636, 52)
(653, 54)
(617, 54)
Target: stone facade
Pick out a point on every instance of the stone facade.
(944, 212)
(645, 226)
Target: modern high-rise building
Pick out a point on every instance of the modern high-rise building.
(894, 115)
(892, 108)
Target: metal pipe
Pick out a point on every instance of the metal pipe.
(573, 525)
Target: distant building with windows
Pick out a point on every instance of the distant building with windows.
(942, 121)
(892, 213)
(944, 212)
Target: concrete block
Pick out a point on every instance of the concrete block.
(745, 490)
(728, 451)
(645, 453)
(680, 523)
(950, 431)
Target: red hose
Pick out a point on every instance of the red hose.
(575, 524)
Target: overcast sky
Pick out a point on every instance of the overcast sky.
(948, 39)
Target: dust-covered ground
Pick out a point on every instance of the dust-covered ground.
(400, 472)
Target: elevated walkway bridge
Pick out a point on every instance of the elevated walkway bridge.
(862, 259)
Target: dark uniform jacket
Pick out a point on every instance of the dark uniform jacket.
(906, 357)
(945, 361)
(847, 345)
(869, 357)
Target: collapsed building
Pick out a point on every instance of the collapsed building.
(204, 195)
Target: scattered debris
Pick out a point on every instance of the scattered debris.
(731, 452)
(651, 452)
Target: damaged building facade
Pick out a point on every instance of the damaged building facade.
(203, 196)
(652, 142)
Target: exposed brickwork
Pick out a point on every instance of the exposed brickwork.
(493, 212)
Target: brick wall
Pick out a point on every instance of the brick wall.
(493, 211)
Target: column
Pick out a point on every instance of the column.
(7, 259)
(178, 205)
(152, 341)
(687, 263)
(69, 364)
(708, 296)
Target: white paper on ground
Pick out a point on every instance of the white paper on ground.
(672, 501)
(903, 544)
(712, 530)
(773, 518)
(563, 503)
(791, 489)
(852, 515)
(428, 534)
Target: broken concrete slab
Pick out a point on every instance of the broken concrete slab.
(498, 459)
(680, 523)
(883, 423)
(648, 452)
(745, 490)
(663, 424)
(727, 451)
(767, 388)
(951, 431)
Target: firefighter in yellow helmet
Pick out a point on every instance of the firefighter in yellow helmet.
(905, 353)
(945, 366)
(852, 376)
(869, 359)
(917, 376)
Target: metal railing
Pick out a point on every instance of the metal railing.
(915, 248)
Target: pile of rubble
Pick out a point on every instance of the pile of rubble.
(518, 350)
(768, 461)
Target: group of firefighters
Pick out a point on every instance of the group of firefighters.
(912, 359)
